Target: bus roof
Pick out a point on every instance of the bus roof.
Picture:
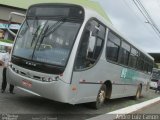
(24, 4)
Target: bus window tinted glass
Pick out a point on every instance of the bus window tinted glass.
(113, 46)
(140, 63)
(124, 53)
(40, 41)
(101, 32)
(90, 46)
(133, 58)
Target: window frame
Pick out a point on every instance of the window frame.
(146, 60)
(135, 55)
(119, 46)
(103, 41)
(129, 51)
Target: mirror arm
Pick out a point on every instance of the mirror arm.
(11, 32)
(10, 19)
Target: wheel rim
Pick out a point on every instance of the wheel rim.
(101, 96)
(138, 93)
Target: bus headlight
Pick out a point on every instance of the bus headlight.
(47, 79)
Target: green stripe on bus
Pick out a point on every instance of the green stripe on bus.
(129, 74)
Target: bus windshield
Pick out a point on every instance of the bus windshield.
(46, 40)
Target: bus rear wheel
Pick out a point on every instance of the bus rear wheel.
(100, 97)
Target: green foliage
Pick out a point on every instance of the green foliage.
(6, 41)
(155, 65)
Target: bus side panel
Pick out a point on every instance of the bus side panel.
(124, 81)
(123, 84)
(88, 81)
(144, 81)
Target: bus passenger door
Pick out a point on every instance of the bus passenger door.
(86, 70)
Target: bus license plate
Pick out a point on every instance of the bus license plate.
(27, 83)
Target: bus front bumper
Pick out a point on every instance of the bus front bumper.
(55, 90)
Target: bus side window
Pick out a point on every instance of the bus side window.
(133, 58)
(91, 45)
(145, 67)
(113, 47)
(150, 68)
(124, 53)
(140, 62)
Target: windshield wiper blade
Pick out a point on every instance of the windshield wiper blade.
(50, 30)
(43, 36)
(35, 35)
(55, 26)
(36, 32)
(38, 38)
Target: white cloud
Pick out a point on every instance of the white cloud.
(129, 21)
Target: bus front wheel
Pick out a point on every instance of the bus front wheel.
(100, 97)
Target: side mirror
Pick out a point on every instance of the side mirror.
(10, 20)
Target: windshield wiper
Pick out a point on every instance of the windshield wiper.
(55, 26)
(51, 29)
(35, 35)
(39, 37)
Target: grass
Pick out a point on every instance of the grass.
(6, 41)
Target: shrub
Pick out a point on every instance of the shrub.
(6, 41)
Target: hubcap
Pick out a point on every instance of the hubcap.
(102, 96)
(138, 94)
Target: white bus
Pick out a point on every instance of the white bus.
(155, 77)
(71, 54)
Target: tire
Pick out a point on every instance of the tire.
(100, 98)
(138, 93)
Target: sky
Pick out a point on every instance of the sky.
(129, 21)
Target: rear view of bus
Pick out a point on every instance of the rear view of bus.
(42, 50)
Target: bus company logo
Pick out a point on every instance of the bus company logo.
(31, 64)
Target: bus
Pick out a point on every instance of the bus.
(71, 54)
(155, 77)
